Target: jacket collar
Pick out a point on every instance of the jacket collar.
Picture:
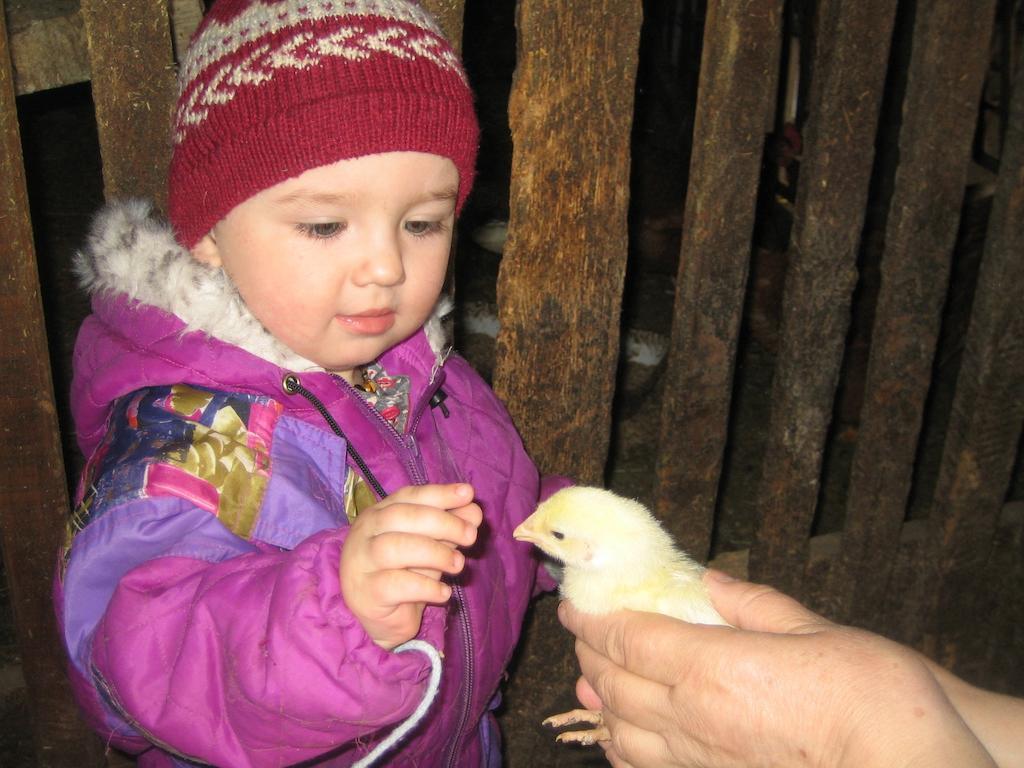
(129, 251)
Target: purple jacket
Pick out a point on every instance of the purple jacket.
(199, 595)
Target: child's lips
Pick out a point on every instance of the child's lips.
(370, 322)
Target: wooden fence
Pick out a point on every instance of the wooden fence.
(947, 580)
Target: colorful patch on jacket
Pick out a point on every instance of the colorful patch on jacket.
(210, 448)
(388, 395)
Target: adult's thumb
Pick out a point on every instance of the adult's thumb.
(760, 608)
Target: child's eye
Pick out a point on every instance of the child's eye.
(321, 231)
(423, 228)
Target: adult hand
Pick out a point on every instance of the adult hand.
(396, 552)
(783, 686)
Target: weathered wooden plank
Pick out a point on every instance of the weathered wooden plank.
(940, 106)
(449, 14)
(185, 17)
(47, 44)
(738, 82)
(33, 491)
(848, 74)
(904, 606)
(988, 406)
(563, 267)
(133, 88)
(822, 560)
(1002, 670)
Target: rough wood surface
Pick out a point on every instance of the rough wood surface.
(185, 17)
(738, 81)
(449, 15)
(904, 605)
(33, 495)
(988, 407)
(940, 106)
(133, 88)
(47, 44)
(562, 271)
(848, 75)
(1002, 670)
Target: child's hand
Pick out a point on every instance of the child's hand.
(396, 551)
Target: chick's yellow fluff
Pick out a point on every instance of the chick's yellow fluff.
(616, 555)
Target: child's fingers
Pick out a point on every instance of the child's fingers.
(391, 550)
(427, 521)
(470, 513)
(442, 496)
(399, 587)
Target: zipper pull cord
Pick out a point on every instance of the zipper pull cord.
(293, 386)
(433, 684)
(437, 401)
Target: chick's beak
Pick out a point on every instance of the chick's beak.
(525, 533)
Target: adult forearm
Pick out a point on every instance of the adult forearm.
(997, 720)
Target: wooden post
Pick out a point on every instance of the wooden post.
(33, 488)
(1002, 668)
(988, 410)
(738, 82)
(133, 88)
(449, 14)
(846, 87)
(563, 268)
(940, 110)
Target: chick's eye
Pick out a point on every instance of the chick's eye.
(558, 535)
(322, 230)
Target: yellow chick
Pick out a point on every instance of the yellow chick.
(616, 555)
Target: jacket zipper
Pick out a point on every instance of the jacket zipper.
(293, 386)
(467, 651)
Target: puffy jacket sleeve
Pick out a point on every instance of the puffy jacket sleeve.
(226, 650)
(260, 648)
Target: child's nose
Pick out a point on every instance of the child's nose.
(381, 263)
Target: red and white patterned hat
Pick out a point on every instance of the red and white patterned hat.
(272, 88)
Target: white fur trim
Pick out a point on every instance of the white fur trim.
(129, 251)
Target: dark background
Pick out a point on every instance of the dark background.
(65, 188)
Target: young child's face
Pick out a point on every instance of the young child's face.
(346, 260)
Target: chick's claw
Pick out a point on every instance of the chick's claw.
(586, 738)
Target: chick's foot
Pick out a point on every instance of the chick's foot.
(586, 737)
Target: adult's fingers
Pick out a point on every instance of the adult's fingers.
(633, 745)
(587, 695)
(759, 608)
(649, 645)
(626, 695)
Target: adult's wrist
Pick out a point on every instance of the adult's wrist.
(911, 723)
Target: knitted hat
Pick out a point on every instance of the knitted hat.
(272, 88)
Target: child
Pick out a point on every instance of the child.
(288, 476)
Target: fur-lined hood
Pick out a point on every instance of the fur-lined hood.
(130, 251)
